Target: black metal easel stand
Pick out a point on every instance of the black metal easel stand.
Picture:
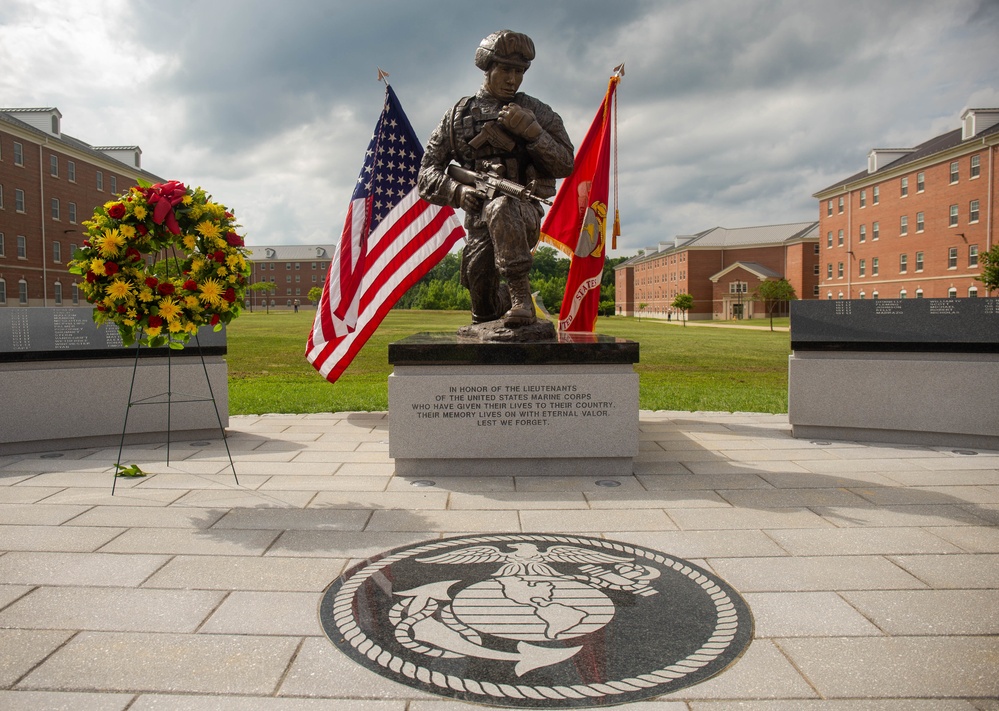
(168, 398)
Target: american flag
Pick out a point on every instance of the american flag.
(390, 239)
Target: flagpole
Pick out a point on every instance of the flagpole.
(383, 76)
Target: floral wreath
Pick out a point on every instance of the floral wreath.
(196, 274)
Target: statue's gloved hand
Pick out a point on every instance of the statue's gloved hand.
(520, 121)
(470, 199)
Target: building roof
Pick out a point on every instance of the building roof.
(75, 143)
(937, 144)
(758, 270)
(292, 252)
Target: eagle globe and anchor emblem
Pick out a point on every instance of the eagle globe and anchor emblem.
(532, 620)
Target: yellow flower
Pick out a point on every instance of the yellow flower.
(190, 242)
(112, 243)
(119, 289)
(153, 330)
(139, 212)
(208, 229)
(146, 295)
(169, 309)
(221, 271)
(97, 267)
(211, 292)
(175, 326)
(187, 200)
(191, 302)
(127, 231)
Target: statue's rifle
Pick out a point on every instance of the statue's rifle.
(492, 185)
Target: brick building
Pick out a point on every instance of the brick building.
(721, 269)
(50, 183)
(914, 223)
(292, 269)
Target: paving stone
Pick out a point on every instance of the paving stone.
(122, 497)
(810, 614)
(836, 705)
(9, 593)
(892, 667)
(445, 521)
(309, 482)
(122, 661)
(761, 673)
(898, 516)
(28, 494)
(248, 573)
(63, 701)
(164, 702)
(861, 541)
(614, 499)
(565, 484)
(112, 609)
(470, 484)
(277, 613)
(412, 500)
(814, 574)
(808, 480)
(973, 539)
(346, 544)
(919, 476)
(930, 612)
(21, 650)
(317, 519)
(321, 670)
(229, 499)
(953, 571)
(98, 569)
(146, 517)
(603, 520)
(518, 500)
(211, 541)
(793, 498)
(38, 514)
(705, 544)
(734, 518)
(201, 481)
(55, 538)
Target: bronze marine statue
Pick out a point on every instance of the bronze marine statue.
(497, 155)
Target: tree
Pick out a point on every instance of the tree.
(773, 293)
(683, 302)
(990, 269)
(641, 307)
(315, 294)
(263, 286)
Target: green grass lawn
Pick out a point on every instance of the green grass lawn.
(717, 369)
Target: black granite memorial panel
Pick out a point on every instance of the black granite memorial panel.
(39, 334)
(569, 348)
(536, 621)
(896, 325)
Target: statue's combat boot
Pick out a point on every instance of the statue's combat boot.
(521, 311)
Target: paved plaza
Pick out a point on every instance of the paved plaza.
(872, 570)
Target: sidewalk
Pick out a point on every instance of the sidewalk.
(872, 571)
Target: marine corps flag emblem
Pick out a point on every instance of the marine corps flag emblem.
(577, 222)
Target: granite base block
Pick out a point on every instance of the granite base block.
(523, 418)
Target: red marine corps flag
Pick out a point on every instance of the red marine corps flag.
(390, 239)
(577, 221)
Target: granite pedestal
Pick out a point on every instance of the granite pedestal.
(464, 408)
(917, 371)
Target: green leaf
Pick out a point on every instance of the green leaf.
(129, 471)
(143, 183)
(176, 345)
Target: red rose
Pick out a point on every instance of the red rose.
(134, 254)
(151, 282)
(110, 268)
(101, 307)
(91, 277)
(155, 321)
(234, 239)
(191, 285)
(166, 288)
(116, 211)
(219, 256)
(141, 229)
(86, 243)
(215, 319)
(229, 295)
(122, 309)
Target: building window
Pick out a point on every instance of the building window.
(54, 166)
(905, 187)
(1, 197)
(829, 208)
(972, 292)
(973, 211)
(973, 256)
(953, 216)
(287, 266)
(114, 185)
(919, 261)
(298, 265)
(72, 212)
(955, 170)
(863, 198)
(863, 295)
(100, 181)
(18, 154)
(903, 225)
(839, 270)
(58, 293)
(920, 182)
(862, 267)
(815, 270)
(920, 222)
(815, 250)
(56, 252)
(874, 295)
(22, 292)
(840, 206)
(18, 199)
(952, 258)
(875, 231)
(71, 171)
(3, 253)
(919, 293)
(829, 271)
(3, 292)
(22, 247)
(976, 166)
(55, 208)
(902, 294)
(952, 293)
(815, 290)
(903, 263)
(839, 238)
(876, 194)
(76, 294)
(863, 233)
(829, 239)
(874, 266)
(738, 287)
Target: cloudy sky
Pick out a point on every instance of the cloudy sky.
(732, 112)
